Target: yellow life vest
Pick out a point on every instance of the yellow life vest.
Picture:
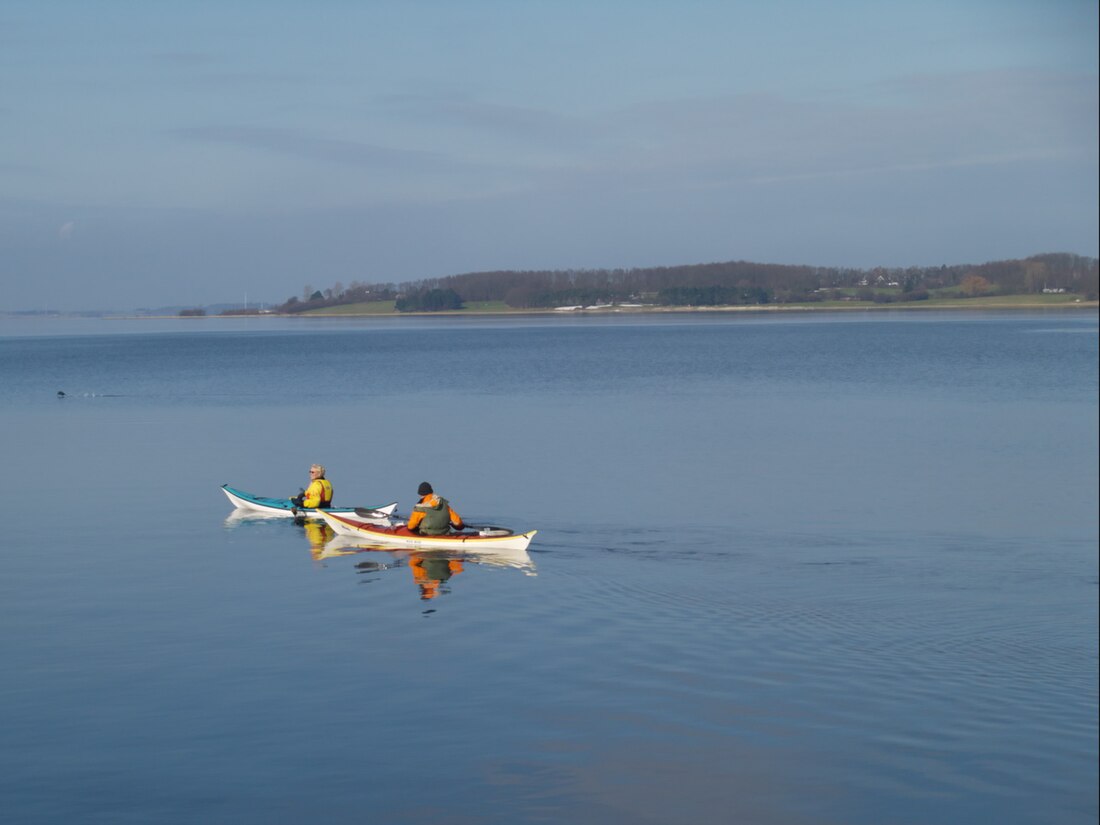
(319, 494)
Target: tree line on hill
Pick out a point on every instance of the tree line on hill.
(734, 283)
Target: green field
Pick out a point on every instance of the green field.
(1059, 299)
(987, 302)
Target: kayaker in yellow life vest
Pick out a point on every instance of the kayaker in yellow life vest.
(319, 491)
(432, 515)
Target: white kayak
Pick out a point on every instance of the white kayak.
(344, 545)
(399, 535)
(285, 508)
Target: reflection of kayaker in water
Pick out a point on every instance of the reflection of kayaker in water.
(432, 515)
(430, 573)
(319, 534)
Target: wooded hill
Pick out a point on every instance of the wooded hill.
(717, 284)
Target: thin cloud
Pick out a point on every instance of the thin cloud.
(932, 123)
(525, 123)
(331, 150)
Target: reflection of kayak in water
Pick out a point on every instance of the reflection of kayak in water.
(285, 508)
(342, 545)
(400, 536)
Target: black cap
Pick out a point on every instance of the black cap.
(424, 489)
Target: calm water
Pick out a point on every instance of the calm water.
(807, 569)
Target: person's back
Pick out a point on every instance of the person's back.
(433, 515)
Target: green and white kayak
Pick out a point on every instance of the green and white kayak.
(285, 508)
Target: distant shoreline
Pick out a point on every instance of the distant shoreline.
(971, 304)
(862, 306)
(867, 306)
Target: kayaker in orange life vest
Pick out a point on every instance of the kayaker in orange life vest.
(319, 491)
(432, 515)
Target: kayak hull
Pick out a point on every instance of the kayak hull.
(377, 534)
(343, 545)
(284, 507)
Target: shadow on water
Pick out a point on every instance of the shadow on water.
(432, 570)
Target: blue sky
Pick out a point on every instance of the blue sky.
(160, 153)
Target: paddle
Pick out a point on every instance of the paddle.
(297, 502)
(493, 530)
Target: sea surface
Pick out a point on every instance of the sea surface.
(808, 569)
